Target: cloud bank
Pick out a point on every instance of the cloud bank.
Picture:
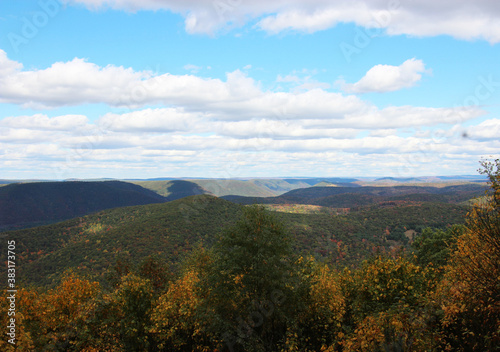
(461, 19)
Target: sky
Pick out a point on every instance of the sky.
(248, 88)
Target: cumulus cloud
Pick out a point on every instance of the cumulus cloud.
(7, 66)
(66, 83)
(488, 130)
(43, 122)
(78, 82)
(191, 98)
(192, 102)
(152, 120)
(231, 149)
(461, 19)
(204, 124)
(387, 78)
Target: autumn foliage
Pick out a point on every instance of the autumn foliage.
(471, 289)
(251, 292)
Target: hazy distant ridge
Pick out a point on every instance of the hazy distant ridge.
(27, 204)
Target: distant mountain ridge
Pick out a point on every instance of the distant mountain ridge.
(260, 187)
(30, 204)
(37, 203)
(471, 178)
(347, 197)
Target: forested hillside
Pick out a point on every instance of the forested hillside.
(349, 197)
(173, 189)
(93, 243)
(335, 268)
(249, 289)
(249, 188)
(171, 230)
(30, 204)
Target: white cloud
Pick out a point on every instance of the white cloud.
(67, 83)
(189, 98)
(174, 129)
(314, 18)
(233, 149)
(279, 130)
(301, 82)
(206, 124)
(25, 136)
(387, 78)
(196, 105)
(152, 120)
(384, 132)
(488, 130)
(78, 82)
(8, 67)
(288, 79)
(43, 122)
(463, 19)
(410, 116)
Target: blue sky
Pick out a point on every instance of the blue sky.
(232, 88)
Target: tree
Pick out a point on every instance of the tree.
(55, 320)
(251, 284)
(23, 340)
(320, 324)
(155, 270)
(175, 322)
(434, 247)
(386, 305)
(178, 322)
(135, 299)
(470, 293)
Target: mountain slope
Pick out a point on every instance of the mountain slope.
(173, 189)
(246, 188)
(29, 204)
(91, 243)
(348, 197)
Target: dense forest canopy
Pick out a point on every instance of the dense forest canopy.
(251, 290)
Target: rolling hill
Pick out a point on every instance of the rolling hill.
(91, 244)
(248, 188)
(173, 189)
(37, 203)
(30, 204)
(349, 197)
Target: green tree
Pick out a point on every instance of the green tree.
(135, 299)
(435, 246)
(251, 284)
